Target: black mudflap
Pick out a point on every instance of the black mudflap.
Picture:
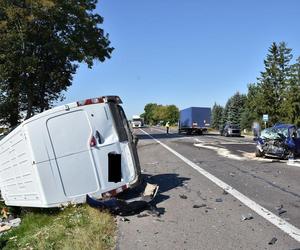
(114, 167)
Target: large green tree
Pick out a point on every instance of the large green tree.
(216, 116)
(41, 43)
(274, 81)
(155, 113)
(234, 109)
(291, 103)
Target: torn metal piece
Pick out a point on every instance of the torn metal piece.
(126, 207)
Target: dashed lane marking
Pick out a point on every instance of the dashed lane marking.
(286, 227)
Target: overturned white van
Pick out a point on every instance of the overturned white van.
(64, 154)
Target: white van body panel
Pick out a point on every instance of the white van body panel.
(48, 160)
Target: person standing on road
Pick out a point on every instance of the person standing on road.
(167, 127)
(256, 129)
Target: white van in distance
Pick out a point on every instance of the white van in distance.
(66, 153)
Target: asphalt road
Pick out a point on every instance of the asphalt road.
(196, 213)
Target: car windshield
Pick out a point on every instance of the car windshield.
(274, 133)
(234, 126)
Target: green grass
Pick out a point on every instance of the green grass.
(80, 227)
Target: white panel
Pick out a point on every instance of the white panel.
(77, 174)
(70, 135)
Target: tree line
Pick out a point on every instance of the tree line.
(276, 93)
(41, 44)
(156, 113)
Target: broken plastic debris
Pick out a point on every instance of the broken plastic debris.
(225, 192)
(141, 215)
(183, 196)
(4, 228)
(247, 217)
(155, 211)
(15, 222)
(150, 189)
(125, 207)
(198, 206)
(280, 210)
(124, 219)
(272, 242)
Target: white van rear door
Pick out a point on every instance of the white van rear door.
(70, 136)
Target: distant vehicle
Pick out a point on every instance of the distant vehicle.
(137, 122)
(194, 120)
(281, 140)
(66, 153)
(231, 130)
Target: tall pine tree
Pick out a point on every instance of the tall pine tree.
(273, 82)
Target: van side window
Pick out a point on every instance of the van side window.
(118, 121)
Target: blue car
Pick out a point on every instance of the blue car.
(281, 140)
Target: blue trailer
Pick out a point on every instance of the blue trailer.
(194, 120)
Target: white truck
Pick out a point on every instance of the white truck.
(66, 153)
(137, 121)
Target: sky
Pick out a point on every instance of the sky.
(188, 52)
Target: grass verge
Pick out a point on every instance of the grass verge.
(80, 227)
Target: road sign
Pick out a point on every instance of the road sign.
(265, 117)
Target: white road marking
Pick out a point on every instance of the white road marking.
(295, 163)
(224, 152)
(286, 227)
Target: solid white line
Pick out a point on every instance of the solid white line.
(286, 227)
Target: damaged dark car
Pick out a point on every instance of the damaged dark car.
(281, 141)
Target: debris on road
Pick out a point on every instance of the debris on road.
(124, 219)
(199, 206)
(232, 174)
(272, 241)
(224, 192)
(281, 210)
(126, 207)
(183, 196)
(154, 211)
(247, 217)
(219, 200)
(141, 215)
